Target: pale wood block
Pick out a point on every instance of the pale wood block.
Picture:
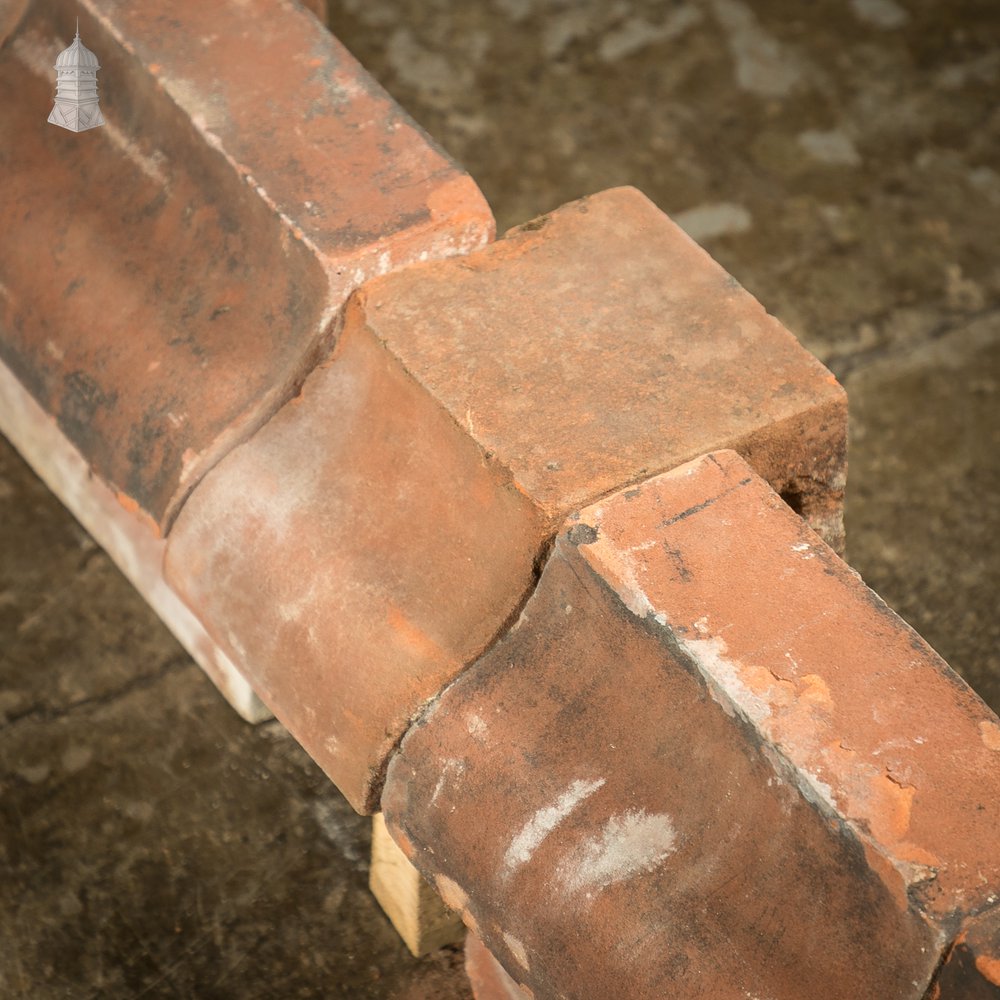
(415, 909)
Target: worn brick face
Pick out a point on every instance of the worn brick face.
(564, 361)
(599, 345)
(169, 279)
(354, 555)
(706, 756)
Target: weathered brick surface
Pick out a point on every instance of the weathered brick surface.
(354, 555)
(518, 404)
(972, 969)
(168, 279)
(598, 346)
(707, 756)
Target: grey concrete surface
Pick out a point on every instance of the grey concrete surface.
(841, 159)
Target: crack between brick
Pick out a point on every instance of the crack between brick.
(259, 413)
(420, 716)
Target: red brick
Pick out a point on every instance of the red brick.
(121, 530)
(707, 755)
(353, 556)
(504, 432)
(598, 346)
(168, 280)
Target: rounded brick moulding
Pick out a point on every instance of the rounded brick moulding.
(385, 526)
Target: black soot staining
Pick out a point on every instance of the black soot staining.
(582, 534)
(676, 558)
(83, 399)
(534, 225)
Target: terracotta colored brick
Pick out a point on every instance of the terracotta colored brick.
(353, 556)
(543, 404)
(166, 281)
(707, 760)
(972, 969)
(598, 346)
(487, 976)
(481, 363)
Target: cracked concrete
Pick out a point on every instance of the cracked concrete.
(841, 162)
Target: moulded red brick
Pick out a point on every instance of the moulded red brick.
(354, 555)
(706, 762)
(167, 280)
(574, 356)
(599, 345)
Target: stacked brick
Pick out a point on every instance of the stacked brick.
(400, 506)
(506, 533)
(168, 282)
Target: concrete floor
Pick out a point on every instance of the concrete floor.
(842, 161)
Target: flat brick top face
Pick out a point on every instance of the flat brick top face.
(302, 122)
(167, 279)
(595, 347)
(871, 724)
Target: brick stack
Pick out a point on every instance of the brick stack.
(532, 544)
(470, 406)
(170, 280)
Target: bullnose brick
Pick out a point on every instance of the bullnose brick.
(706, 755)
(575, 356)
(354, 556)
(169, 279)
